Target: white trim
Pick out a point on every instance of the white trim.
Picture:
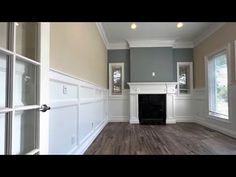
(73, 150)
(102, 34)
(177, 45)
(24, 108)
(207, 33)
(4, 110)
(23, 58)
(6, 51)
(225, 131)
(151, 83)
(82, 143)
(235, 61)
(170, 121)
(119, 119)
(191, 77)
(62, 104)
(207, 57)
(33, 152)
(110, 78)
(184, 118)
(133, 121)
(122, 45)
(90, 100)
(151, 43)
(84, 146)
(167, 88)
(44, 55)
(219, 117)
(71, 77)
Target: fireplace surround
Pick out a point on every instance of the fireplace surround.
(140, 88)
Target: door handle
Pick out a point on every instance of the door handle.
(45, 108)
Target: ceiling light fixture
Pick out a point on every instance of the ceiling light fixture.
(179, 25)
(133, 26)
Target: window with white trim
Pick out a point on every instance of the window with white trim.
(185, 78)
(218, 84)
(116, 79)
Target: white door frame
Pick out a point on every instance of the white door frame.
(44, 86)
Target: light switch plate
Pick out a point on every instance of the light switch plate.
(64, 89)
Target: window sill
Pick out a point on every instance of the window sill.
(219, 117)
(184, 95)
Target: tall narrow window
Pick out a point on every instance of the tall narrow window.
(184, 74)
(116, 78)
(218, 84)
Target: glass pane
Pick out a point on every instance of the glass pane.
(26, 39)
(116, 80)
(24, 131)
(184, 79)
(221, 85)
(2, 133)
(4, 35)
(25, 84)
(3, 80)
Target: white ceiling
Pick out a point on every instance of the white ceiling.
(120, 32)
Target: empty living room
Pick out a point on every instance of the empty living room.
(117, 88)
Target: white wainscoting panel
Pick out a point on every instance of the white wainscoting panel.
(62, 129)
(201, 115)
(78, 113)
(184, 111)
(119, 108)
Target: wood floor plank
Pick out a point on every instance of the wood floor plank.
(174, 139)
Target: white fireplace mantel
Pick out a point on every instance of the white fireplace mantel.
(168, 88)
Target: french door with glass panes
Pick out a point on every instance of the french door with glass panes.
(24, 58)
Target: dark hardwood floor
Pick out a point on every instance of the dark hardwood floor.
(180, 138)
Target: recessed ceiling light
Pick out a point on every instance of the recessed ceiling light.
(133, 26)
(179, 25)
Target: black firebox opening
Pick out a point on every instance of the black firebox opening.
(152, 108)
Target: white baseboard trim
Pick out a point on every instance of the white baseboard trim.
(184, 119)
(119, 119)
(90, 139)
(134, 121)
(71, 152)
(225, 131)
(170, 121)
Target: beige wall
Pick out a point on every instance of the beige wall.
(219, 39)
(78, 49)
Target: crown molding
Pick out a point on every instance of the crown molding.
(151, 43)
(102, 34)
(183, 45)
(122, 45)
(207, 33)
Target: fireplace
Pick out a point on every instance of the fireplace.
(144, 107)
(152, 108)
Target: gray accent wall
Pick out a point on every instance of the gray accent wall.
(181, 55)
(139, 63)
(118, 56)
(144, 61)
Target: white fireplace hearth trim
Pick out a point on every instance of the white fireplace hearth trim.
(168, 88)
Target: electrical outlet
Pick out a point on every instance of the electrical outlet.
(64, 89)
(72, 139)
